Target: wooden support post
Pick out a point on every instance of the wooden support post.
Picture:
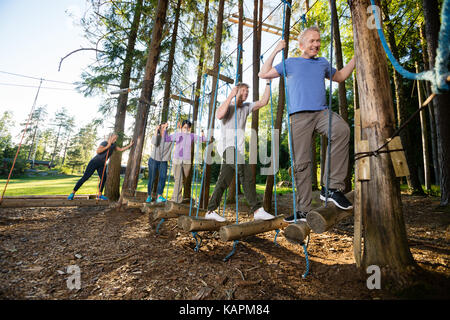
(323, 218)
(193, 224)
(24, 203)
(297, 232)
(238, 231)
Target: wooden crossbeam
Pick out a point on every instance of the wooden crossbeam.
(175, 97)
(27, 203)
(213, 73)
(265, 27)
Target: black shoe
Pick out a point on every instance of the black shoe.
(337, 197)
(301, 216)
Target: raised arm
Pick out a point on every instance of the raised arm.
(264, 99)
(345, 72)
(125, 148)
(222, 110)
(267, 71)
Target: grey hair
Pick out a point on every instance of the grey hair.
(304, 32)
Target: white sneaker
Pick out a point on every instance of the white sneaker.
(212, 215)
(261, 214)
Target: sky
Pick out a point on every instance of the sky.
(35, 36)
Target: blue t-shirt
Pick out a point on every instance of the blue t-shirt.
(306, 83)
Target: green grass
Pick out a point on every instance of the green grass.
(51, 185)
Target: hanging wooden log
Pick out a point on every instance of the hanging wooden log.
(23, 203)
(182, 209)
(163, 214)
(323, 218)
(53, 196)
(297, 232)
(238, 231)
(149, 207)
(193, 224)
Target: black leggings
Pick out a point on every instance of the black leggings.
(93, 165)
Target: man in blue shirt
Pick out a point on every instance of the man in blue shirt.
(308, 113)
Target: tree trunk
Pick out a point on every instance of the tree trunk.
(268, 192)
(257, 31)
(413, 180)
(112, 186)
(441, 102)
(198, 85)
(432, 121)
(342, 96)
(385, 240)
(217, 49)
(134, 160)
(169, 72)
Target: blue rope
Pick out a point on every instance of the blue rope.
(198, 127)
(438, 76)
(159, 225)
(287, 117)
(273, 154)
(209, 132)
(232, 251)
(290, 137)
(305, 250)
(330, 100)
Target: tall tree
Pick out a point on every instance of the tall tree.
(413, 179)
(385, 240)
(135, 156)
(441, 102)
(212, 104)
(112, 187)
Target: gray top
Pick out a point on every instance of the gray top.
(227, 129)
(161, 152)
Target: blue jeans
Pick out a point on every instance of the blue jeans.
(153, 167)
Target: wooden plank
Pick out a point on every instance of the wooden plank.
(53, 196)
(178, 98)
(363, 163)
(238, 231)
(297, 232)
(23, 203)
(324, 218)
(398, 157)
(193, 224)
(221, 77)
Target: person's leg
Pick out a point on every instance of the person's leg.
(151, 176)
(302, 127)
(340, 139)
(178, 184)
(162, 178)
(102, 172)
(90, 169)
(249, 186)
(223, 181)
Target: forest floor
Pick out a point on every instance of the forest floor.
(120, 256)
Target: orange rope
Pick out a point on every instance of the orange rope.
(20, 144)
(103, 174)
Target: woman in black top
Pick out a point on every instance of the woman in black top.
(105, 149)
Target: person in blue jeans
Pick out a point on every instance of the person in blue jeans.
(159, 156)
(97, 163)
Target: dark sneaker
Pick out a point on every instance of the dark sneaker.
(337, 197)
(301, 216)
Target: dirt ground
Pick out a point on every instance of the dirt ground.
(120, 256)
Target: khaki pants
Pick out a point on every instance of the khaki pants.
(227, 172)
(303, 126)
(180, 173)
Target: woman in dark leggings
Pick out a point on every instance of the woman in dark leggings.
(105, 149)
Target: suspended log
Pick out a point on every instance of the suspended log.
(163, 214)
(297, 232)
(238, 231)
(23, 203)
(192, 224)
(149, 207)
(323, 218)
(182, 209)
